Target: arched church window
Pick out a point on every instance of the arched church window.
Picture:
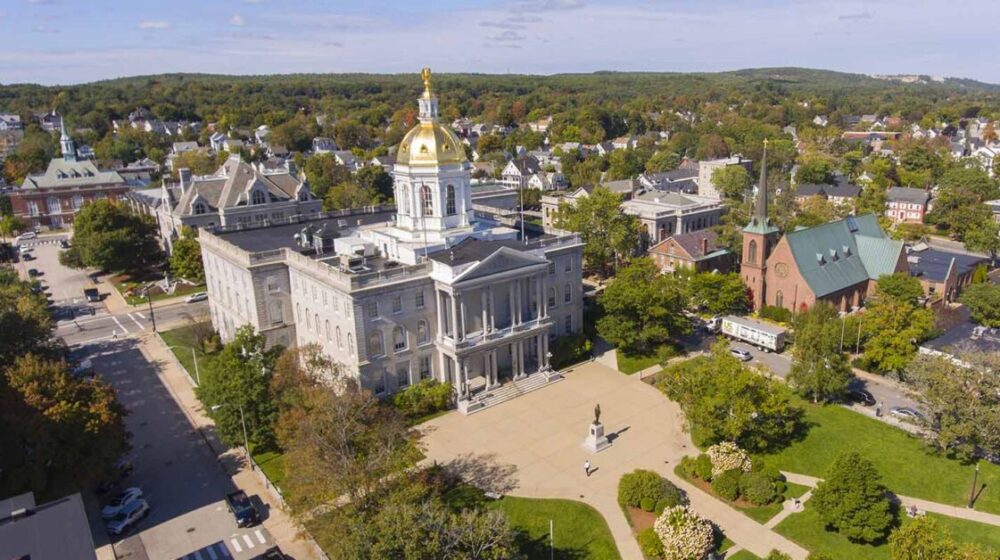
(426, 201)
(779, 299)
(752, 252)
(450, 198)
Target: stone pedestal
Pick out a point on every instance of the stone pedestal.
(596, 440)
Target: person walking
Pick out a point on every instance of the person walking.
(586, 468)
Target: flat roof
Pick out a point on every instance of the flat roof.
(933, 264)
(281, 236)
(57, 530)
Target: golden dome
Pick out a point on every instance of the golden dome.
(430, 143)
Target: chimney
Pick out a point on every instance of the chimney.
(185, 176)
(704, 246)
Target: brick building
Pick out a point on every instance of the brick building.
(905, 204)
(837, 262)
(696, 250)
(51, 199)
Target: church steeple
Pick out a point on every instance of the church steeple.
(759, 237)
(760, 203)
(66, 143)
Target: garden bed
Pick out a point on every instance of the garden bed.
(760, 514)
(131, 289)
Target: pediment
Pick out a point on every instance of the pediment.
(503, 259)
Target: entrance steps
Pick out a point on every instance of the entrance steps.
(507, 391)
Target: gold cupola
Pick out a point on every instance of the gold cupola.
(429, 143)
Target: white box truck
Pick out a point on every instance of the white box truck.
(762, 335)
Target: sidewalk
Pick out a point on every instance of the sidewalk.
(923, 505)
(178, 383)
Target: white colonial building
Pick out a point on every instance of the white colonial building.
(422, 290)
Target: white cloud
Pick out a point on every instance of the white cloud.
(154, 25)
(237, 20)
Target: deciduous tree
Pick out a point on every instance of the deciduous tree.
(983, 301)
(609, 235)
(820, 369)
(891, 330)
(852, 499)
(642, 307)
(185, 260)
(106, 236)
(901, 286)
(716, 293)
(732, 181)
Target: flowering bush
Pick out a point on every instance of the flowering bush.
(685, 534)
(727, 456)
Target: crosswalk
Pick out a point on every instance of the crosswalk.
(250, 542)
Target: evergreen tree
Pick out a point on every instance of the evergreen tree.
(852, 499)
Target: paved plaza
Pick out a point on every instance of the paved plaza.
(538, 440)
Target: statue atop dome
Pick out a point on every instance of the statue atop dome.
(425, 75)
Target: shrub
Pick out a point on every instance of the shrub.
(727, 456)
(638, 485)
(853, 500)
(670, 496)
(774, 313)
(703, 467)
(684, 534)
(687, 465)
(727, 484)
(570, 349)
(650, 543)
(426, 397)
(777, 555)
(647, 503)
(757, 488)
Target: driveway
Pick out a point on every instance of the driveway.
(536, 441)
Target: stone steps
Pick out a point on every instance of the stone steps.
(512, 390)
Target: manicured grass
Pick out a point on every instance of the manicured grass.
(760, 514)
(743, 555)
(629, 364)
(579, 531)
(807, 529)
(273, 465)
(181, 340)
(793, 490)
(908, 465)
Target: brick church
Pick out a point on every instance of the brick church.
(839, 261)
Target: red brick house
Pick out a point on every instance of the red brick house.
(905, 204)
(696, 250)
(52, 198)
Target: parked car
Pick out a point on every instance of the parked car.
(123, 468)
(91, 295)
(84, 369)
(120, 501)
(862, 397)
(242, 509)
(33, 272)
(273, 553)
(63, 244)
(200, 296)
(26, 235)
(906, 413)
(741, 354)
(129, 515)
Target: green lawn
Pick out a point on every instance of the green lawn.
(807, 530)
(579, 531)
(632, 363)
(908, 465)
(181, 340)
(760, 514)
(179, 291)
(273, 465)
(743, 555)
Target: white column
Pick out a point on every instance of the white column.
(454, 317)
(541, 297)
(487, 368)
(510, 302)
(461, 313)
(482, 300)
(520, 357)
(538, 347)
(545, 350)
(493, 309)
(465, 377)
(440, 314)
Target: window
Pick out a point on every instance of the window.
(450, 200)
(308, 326)
(77, 201)
(258, 196)
(399, 339)
(403, 376)
(379, 388)
(375, 344)
(752, 252)
(397, 304)
(340, 342)
(316, 322)
(568, 324)
(779, 299)
(569, 265)
(371, 309)
(350, 343)
(277, 313)
(568, 294)
(53, 205)
(272, 284)
(418, 300)
(552, 267)
(200, 208)
(304, 195)
(32, 208)
(552, 297)
(423, 332)
(327, 327)
(404, 200)
(426, 201)
(425, 367)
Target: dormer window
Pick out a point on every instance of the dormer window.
(200, 208)
(258, 197)
(304, 195)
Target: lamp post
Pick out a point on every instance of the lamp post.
(972, 492)
(194, 356)
(246, 442)
(857, 347)
(149, 301)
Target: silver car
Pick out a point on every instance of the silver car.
(741, 354)
(120, 501)
(128, 516)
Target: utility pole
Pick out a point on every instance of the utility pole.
(149, 300)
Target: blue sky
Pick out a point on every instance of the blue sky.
(66, 41)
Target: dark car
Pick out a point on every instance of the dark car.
(122, 469)
(32, 272)
(862, 397)
(91, 295)
(273, 553)
(242, 509)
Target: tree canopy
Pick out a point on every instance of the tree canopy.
(820, 370)
(608, 234)
(185, 260)
(983, 301)
(108, 237)
(642, 308)
(852, 499)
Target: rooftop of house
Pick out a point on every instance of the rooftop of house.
(838, 190)
(57, 529)
(230, 185)
(698, 244)
(934, 264)
(63, 173)
(907, 194)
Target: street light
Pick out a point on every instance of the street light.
(972, 493)
(149, 300)
(194, 356)
(246, 442)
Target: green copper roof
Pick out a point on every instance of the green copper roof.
(764, 228)
(841, 254)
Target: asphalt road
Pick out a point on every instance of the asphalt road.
(180, 477)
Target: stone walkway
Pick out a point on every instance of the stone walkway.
(922, 505)
(532, 446)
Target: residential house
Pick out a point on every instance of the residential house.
(233, 145)
(546, 181)
(905, 204)
(821, 120)
(627, 142)
(706, 188)
(681, 180)
(139, 173)
(217, 141)
(50, 122)
(181, 147)
(603, 148)
(942, 274)
(348, 160)
(10, 121)
(261, 133)
(518, 171)
(386, 162)
(323, 145)
(696, 250)
(541, 125)
(841, 193)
